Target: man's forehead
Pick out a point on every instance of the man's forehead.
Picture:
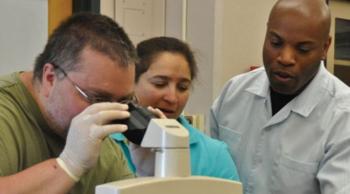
(295, 27)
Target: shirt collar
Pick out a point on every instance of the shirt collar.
(308, 99)
(260, 86)
(118, 137)
(302, 104)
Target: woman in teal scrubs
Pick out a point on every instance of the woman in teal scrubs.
(164, 77)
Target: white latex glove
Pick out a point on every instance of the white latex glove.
(144, 158)
(87, 131)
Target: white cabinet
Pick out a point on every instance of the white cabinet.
(141, 19)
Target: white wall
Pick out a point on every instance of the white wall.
(227, 38)
(200, 36)
(239, 35)
(174, 18)
(23, 33)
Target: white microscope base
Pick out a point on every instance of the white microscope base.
(171, 185)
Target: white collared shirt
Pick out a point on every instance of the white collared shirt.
(302, 149)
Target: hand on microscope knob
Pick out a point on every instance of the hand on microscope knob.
(157, 112)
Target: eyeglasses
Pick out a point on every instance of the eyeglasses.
(94, 99)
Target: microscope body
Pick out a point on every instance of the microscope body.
(172, 173)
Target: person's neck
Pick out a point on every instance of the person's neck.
(279, 100)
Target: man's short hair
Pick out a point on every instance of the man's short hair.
(82, 30)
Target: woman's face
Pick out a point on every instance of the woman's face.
(166, 84)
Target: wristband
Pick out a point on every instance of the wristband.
(64, 167)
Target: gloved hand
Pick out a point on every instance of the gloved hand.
(87, 131)
(144, 158)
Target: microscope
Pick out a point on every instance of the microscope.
(172, 173)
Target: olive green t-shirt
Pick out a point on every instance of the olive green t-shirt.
(26, 139)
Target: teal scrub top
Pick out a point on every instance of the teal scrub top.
(209, 157)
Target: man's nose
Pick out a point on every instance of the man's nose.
(286, 56)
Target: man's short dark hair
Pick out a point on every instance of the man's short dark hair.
(80, 31)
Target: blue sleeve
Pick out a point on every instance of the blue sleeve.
(226, 166)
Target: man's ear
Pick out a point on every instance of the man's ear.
(48, 79)
(326, 47)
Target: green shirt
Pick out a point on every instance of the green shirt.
(26, 139)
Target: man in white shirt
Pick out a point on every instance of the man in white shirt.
(288, 123)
